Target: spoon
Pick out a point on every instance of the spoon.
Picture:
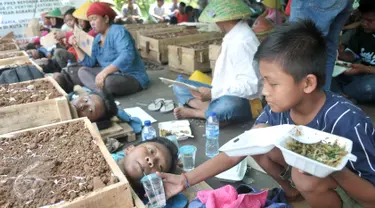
(298, 135)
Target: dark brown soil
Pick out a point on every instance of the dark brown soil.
(174, 34)
(202, 44)
(7, 46)
(51, 165)
(20, 93)
(10, 55)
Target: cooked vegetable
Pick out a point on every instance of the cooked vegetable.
(328, 153)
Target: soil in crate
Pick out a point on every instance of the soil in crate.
(21, 93)
(51, 165)
(7, 46)
(202, 44)
(6, 41)
(10, 55)
(174, 34)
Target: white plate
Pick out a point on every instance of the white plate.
(337, 70)
(181, 84)
(311, 166)
(175, 127)
(237, 173)
(255, 141)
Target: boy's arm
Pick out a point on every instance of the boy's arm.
(359, 189)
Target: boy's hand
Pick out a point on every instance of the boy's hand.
(173, 184)
(203, 94)
(357, 69)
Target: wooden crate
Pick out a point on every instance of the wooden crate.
(157, 49)
(187, 58)
(164, 29)
(116, 195)
(214, 52)
(29, 115)
(17, 48)
(133, 28)
(119, 130)
(22, 57)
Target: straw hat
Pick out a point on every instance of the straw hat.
(81, 12)
(55, 13)
(225, 10)
(274, 4)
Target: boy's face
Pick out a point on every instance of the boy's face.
(368, 22)
(146, 158)
(181, 9)
(53, 21)
(280, 89)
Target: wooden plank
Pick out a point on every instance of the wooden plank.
(148, 44)
(28, 115)
(191, 193)
(23, 58)
(214, 52)
(11, 50)
(187, 58)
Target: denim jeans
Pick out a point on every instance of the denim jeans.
(360, 87)
(330, 16)
(227, 108)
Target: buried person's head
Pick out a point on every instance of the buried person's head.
(158, 154)
(96, 106)
(292, 62)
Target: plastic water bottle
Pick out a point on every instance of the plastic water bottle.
(68, 65)
(148, 132)
(212, 135)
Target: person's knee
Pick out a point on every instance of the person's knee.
(58, 77)
(83, 72)
(229, 108)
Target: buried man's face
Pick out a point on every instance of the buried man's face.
(146, 158)
(90, 106)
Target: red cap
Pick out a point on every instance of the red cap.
(101, 9)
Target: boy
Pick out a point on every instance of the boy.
(158, 154)
(359, 82)
(180, 13)
(292, 63)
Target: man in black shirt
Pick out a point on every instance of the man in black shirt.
(359, 82)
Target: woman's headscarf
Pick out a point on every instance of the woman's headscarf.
(101, 9)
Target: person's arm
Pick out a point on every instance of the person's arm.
(175, 184)
(152, 12)
(357, 188)
(138, 13)
(353, 48)
(247, 79)
(125, 48)
(359, 183)
(354, 25)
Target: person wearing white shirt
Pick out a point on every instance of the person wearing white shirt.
(159, 12)
(235, 80)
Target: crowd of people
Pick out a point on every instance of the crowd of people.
(291, 70)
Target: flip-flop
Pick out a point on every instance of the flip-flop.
(156, 104)
(167, 106)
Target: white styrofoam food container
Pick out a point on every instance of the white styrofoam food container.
(236, 173)
(255, 141)
(175, 127)
(311, 166)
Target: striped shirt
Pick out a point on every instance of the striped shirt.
(340, 117)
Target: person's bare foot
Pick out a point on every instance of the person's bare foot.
(182, 112)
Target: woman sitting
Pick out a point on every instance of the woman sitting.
(121, 70)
